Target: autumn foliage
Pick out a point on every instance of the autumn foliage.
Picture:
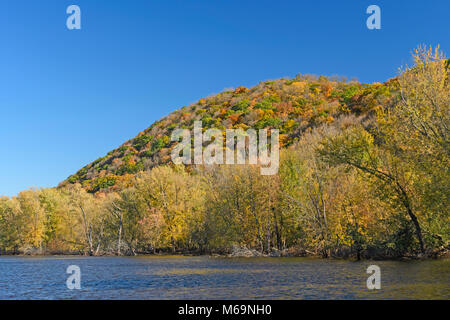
(363, 173)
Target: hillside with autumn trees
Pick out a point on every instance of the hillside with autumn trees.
(364, 173)
(294, 106)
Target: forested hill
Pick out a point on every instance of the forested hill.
(364, 173)
(290, 105)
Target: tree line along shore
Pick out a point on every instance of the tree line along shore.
(363, 174)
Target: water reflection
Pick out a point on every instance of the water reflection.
(177, 277)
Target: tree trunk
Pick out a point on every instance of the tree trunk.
(413, 217)
(277, 231)
(418, 229)
(119, 242)
(88, 232)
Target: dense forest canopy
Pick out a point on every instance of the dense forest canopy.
(364, 172)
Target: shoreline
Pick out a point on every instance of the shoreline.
(418, 257)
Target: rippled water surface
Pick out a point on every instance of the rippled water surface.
(177, 277)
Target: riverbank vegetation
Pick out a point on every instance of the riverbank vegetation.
(364, 172)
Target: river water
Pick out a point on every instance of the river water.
(180, 277)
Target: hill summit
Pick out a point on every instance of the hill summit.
(290, 105)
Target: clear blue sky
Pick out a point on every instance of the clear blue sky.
(69, 97)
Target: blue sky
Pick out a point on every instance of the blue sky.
(68, 97)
